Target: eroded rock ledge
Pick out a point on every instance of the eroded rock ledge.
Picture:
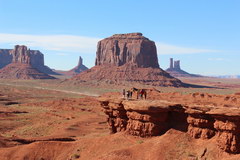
(154, 117)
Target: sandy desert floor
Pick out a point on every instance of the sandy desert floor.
(46, 120)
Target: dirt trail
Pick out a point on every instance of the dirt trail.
(50, 89)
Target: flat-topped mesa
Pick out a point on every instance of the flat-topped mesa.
(128, 36)
(131, 48)
(20, 54)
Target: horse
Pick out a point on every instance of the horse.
(141, 92)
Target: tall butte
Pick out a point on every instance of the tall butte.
(76, 70)
(127, 58)
(21, 67)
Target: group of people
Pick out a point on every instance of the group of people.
(142, 93)
(127, 94)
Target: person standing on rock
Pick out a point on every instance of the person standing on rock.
(130, 94)
(124, 93)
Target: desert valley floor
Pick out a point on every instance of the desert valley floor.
(49, 119)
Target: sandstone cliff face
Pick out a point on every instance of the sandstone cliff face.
(20, 54)
(121, 49)
(154, 117)
(127, 58)
(5, 57)
(37, 61)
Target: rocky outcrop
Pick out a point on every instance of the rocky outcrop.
(5, 57)
(121, 49)
(127, 58)
(154, 117)
(37, 61)
(20, 67)
(76, 70)
(20, 54)
(176, 71)
(36, 58)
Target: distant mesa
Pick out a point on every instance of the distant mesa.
(176, 71)
(36, 59)
(76, 70)
(20, 66)
(5, 57)
(125, 58)
(229, 76)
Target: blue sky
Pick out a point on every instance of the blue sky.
(203, 34)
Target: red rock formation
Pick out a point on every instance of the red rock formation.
(76, 70)
(176, 71)
(21, 67)
(201, 116)
(20, 54)
(22, 71)
(36, 58)
(37, 61)
(5, 57)
(171, 63)
(131, 48)
(177, 65)
(127, 58)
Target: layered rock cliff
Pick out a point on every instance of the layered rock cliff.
(5, 57)
(197, 117)
(121, 49)
(127, 58)
(20, 54)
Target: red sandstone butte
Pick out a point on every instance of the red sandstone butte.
(21, 67)
(125, 58)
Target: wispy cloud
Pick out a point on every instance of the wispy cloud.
(61, 54)
(163, 48)
(81, 44)
(61, 43)
(218, 59)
